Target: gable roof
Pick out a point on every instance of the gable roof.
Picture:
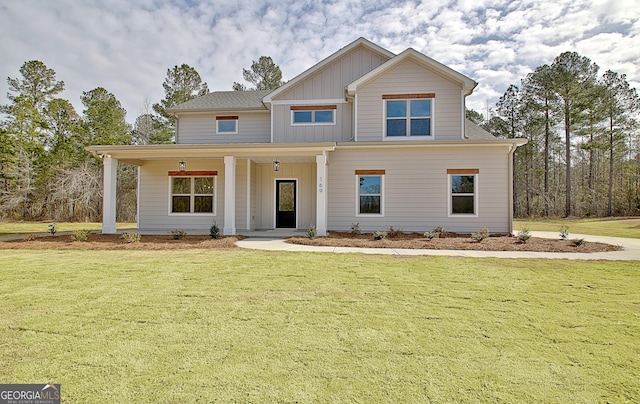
(327, 61)
(411, 54)
(224, 101)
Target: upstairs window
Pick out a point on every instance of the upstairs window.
(408, 115)
(226, 124)
(313, 115)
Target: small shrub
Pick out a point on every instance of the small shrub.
(355, 228)
(311, 231)
(578, 242)
(214, 231)
(431, 234)
(53, 229)
(394, 233)
(178, 234)
(130, 238)
(524, 235)
(564, 232)
(481, 235)
(80, 235)
(440, 230)
(379, 235)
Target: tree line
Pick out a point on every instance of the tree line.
(583, 154)
(45, 172)
(582, 158)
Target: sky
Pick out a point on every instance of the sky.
(127, 46)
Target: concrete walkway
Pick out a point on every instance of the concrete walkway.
(631, 249)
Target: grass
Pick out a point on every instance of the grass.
(615, 227)
(249, 326)
(43, 227)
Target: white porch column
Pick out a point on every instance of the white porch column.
(248, 226)
(109, 195)
(229, 196)
(321, 195)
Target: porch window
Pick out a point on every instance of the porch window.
(408, 115)
(226, 124)
(193, 194)
(369, 185)
(313, 115)
(463, 192)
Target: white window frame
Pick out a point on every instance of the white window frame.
(409, 97)
(313, 116)
(475, 193)
(225, 119)
(382, 188)
(192, 196)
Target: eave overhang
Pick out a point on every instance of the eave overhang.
(465, 143)
(138, 154)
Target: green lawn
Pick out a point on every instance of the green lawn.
(43, 227)
(616, 227)
(249, 326)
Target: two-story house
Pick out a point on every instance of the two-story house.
(364, 136)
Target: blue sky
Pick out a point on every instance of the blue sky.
(127, 46)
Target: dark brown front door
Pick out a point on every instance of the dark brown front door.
(286, 204)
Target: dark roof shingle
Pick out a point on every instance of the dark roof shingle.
(475, 132)
(224, 100)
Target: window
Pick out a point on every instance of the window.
(408, 114)
(370, 187)
(226, 124)
(313, 115)
(463, 185)
(192, 194)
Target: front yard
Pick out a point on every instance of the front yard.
(249, 326)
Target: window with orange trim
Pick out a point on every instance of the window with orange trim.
(226, 124)
(370, 196)
(193, 194)
(463, 194)
(313, 115)
(408, 117)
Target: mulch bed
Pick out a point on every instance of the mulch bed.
(116, 242)
(452, 241)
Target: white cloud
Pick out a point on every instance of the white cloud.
(127, 46)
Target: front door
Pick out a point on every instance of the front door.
(286, 204)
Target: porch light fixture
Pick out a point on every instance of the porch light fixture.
(276, 166)
(182, 165)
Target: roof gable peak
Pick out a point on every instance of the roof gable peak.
(327, 61)
(467, 83)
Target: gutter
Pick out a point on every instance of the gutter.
(511, 143)
(512, 150)
(215, 111)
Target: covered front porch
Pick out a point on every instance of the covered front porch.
(253, 187)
